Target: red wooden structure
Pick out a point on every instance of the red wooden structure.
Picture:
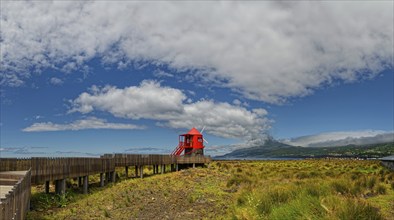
(192, 143)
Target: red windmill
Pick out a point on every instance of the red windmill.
(192, 143)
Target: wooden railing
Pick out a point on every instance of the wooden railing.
(49, 169)
(17, 202)
(140, 159)
(14, 164)
(154, 159)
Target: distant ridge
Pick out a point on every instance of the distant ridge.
(271, 148)
(275, 149)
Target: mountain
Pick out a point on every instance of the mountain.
(342, 138)
(271, 148)
(276, 149)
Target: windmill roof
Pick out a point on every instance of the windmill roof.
(194, 131)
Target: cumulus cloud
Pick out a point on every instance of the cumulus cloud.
(149, 100)
(342, 138)
(56, 81)
(170, 108)
(266, 50)
(83, 124)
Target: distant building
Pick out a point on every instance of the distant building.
(388, 162)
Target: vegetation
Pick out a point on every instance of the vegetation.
(279, 150)
(301, 189)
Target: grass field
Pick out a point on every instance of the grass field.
(303, 189)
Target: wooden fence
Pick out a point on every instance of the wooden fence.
(50, 169)
(17, 202)
(140, 159)
(154, 159)
(14, 164)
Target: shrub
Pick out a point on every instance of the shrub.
(305, 207)
(237, 179)
(279, 196)
(340, 186)
(265, 206)
(358, 210)
(371, 182)
(241, 201)
(302, 175)
(329, 173)
(380, 189)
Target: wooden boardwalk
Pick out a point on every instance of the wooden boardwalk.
(18, 174)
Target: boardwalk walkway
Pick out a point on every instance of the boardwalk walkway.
(17, 175)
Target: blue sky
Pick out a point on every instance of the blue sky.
(77, 82)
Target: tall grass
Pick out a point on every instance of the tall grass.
(304, 189)
(309, 189)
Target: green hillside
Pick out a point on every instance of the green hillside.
(274, 148)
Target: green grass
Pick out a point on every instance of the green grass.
(304, 189)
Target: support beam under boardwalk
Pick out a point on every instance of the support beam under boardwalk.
(141, 171)
(113, 177)
(46, 187)
(60, 186)
(102, 182)
(85, 184)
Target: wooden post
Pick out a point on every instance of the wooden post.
(141, 171)
(85, 184)
(194, 165)
(127, 171)
(177, 167)
(106, 177)
(113, 176)
(136, 171)
(57, 186)
(60, 186)
(102, 183)
(162, 169)
(46, 187)
(63, 186)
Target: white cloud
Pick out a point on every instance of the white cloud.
(88, 123)
(170, 107)
(237, 102)
(149, 100)
(266, 50)
(56, 81)
(341, 138)
(161, 74)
